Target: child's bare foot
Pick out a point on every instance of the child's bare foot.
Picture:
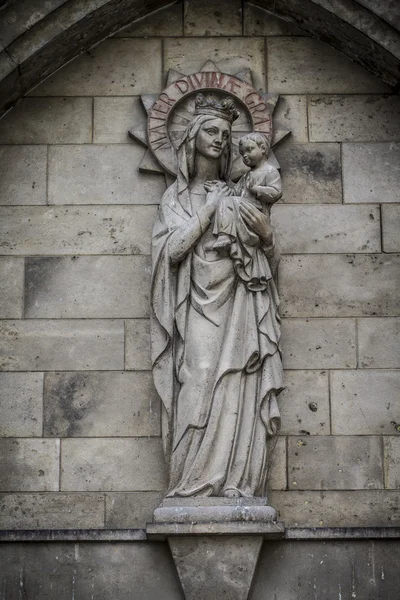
(231, 494)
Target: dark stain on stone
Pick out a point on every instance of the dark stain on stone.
(66, 403)
(39, 273)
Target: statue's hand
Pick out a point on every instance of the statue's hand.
(217, 190)
(256, 220)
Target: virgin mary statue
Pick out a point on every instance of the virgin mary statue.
(215, 344)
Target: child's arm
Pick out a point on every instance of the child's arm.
(272, 190)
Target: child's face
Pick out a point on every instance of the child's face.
(251, 152)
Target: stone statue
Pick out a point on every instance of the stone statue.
(215, 338)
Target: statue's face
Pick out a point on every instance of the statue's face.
(251, 152)
(213, 137)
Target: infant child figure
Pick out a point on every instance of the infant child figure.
(261, 187)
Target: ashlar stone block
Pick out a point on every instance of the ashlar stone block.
(11, 287)
(304, 403)
(76, 230)
(48, 121)
(101, 174)
(259, 22)
(379, 343)
(51, 511)
(206, 18)
(335, 463)
(327, 228)
(129, 464)
(361, 118)
(100, 404)
(116, 67)
(365, 402)
(371, 172)
(311, 173)
(391, 227)
(162, 23)
(291, 111)
(43, 345)
(137, 345)
(303, 65)
(188, 55)
(23, 175)
(277, 470)
(392, 462)
(29, 465)
(21, 404)
(319, 343)
(87, 287)
(340, 284)
(114, 117)
(131, 510)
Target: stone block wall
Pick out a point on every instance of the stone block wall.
(80, 419)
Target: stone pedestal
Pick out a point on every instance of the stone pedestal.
(215, 542)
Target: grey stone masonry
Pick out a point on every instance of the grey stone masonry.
(379, 343)
(117, 67)
(304, 403)
(335, 463)
(345, 285)
(319, 343)
(258, 22)
(101, 175)
(354, 118)
(29, 465)
(311, 173)
(131, 510)
(23, 175)
(365, 402)
(100, 404)
(392, 462)
(114, 117)
(165, 22)
(277, 479)
(11, 287)
(137, 345)
(75, 230)
(21, 404)
(45, 345)
(48, 121)
(371, 172)
(51, 511)
(302, 65)
(18, 17)
(327, 229)
(292, 110)
(87, 287)
(206, 18)
(391, 227)
(112, 465)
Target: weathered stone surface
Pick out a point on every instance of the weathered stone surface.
(128, 464)
(100, 404)
(216, 567)
(371, 172)
(114, 117)
(51, 511)
(29, 465)
(131, 510)
(11, 287)
(7, 65)
(207, 18)
(117, 571)
(291, 111)
(137, 345)
(302, 65)
(101, 175)
(379, 343)
(48, 121)
(335, 463)
(327, 228)
(304, 403)
(259, 22)
(87, 287)
(311, 173)
(61, 345)
(117, 67)
(224, 513)
(163, 23)
(277, 470)
(360, 508)
(21, 404)
(17, 17)
(319, 343)
(23, 175)
(365, 402)
(76, 230)
(345, 285)
(391, 450)
(391, 228)
(354, 118)
(231, 55)
(10, 92)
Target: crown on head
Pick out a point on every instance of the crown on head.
(225, 109)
